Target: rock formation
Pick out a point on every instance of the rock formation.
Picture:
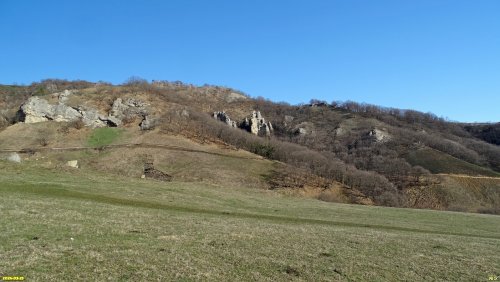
(73, 164)
(257, 125)
(254, 124)
(92, 118)
(14, 157)
(379, 135)
(222, 116)
(37, 109)
(147, 123)
(124, 109)
(63, 96)
(233, 96)
(304, 128)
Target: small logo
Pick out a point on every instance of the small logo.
(493, 277)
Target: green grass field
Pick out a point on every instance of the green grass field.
(104, 136)
(65, 225)
(439, 162)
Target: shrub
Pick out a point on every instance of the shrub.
(491, 210)
(43, 141)
(265, 150)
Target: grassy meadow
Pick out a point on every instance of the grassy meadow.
(62, 224)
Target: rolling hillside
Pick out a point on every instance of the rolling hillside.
(339, 151)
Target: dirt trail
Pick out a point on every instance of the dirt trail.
(132, 145)
(468, 176)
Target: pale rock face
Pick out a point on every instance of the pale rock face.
(122, 109)
(62, 112)
(73, 163)
(118, 108)
(126, 108)
(254, 124)
(304, 128)
(34, 119)
(14, 157)
(257, 125)
(380, 135)
(232, 97)
(91, 118)
(147, 123)
(64, 96)
(39, 110)
(222, 116)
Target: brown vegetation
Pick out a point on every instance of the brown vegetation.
(334, 141)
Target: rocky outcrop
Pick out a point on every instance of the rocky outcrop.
(125, 108)
(14, 157)
(254, 124)
(62, 97)
(233, 97)
(379, 135)
(304, 128)
(148, 123)
(222, 116)
(257, 125)
(73, 164)
(37, 110)
(92, 118)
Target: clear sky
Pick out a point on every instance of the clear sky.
(441, 56)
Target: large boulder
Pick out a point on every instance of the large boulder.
(62, 112)
(126, 108)
(148, 123)
(92, 118)
(72, 163)
(14, 157)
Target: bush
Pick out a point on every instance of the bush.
(265, 150)
(77, 124)
(492, 210)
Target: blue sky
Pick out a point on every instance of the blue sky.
(435, 56)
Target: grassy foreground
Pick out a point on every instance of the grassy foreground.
(76, 225)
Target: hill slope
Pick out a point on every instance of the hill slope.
(341, 151)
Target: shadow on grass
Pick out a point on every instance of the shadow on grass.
(58, 192)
